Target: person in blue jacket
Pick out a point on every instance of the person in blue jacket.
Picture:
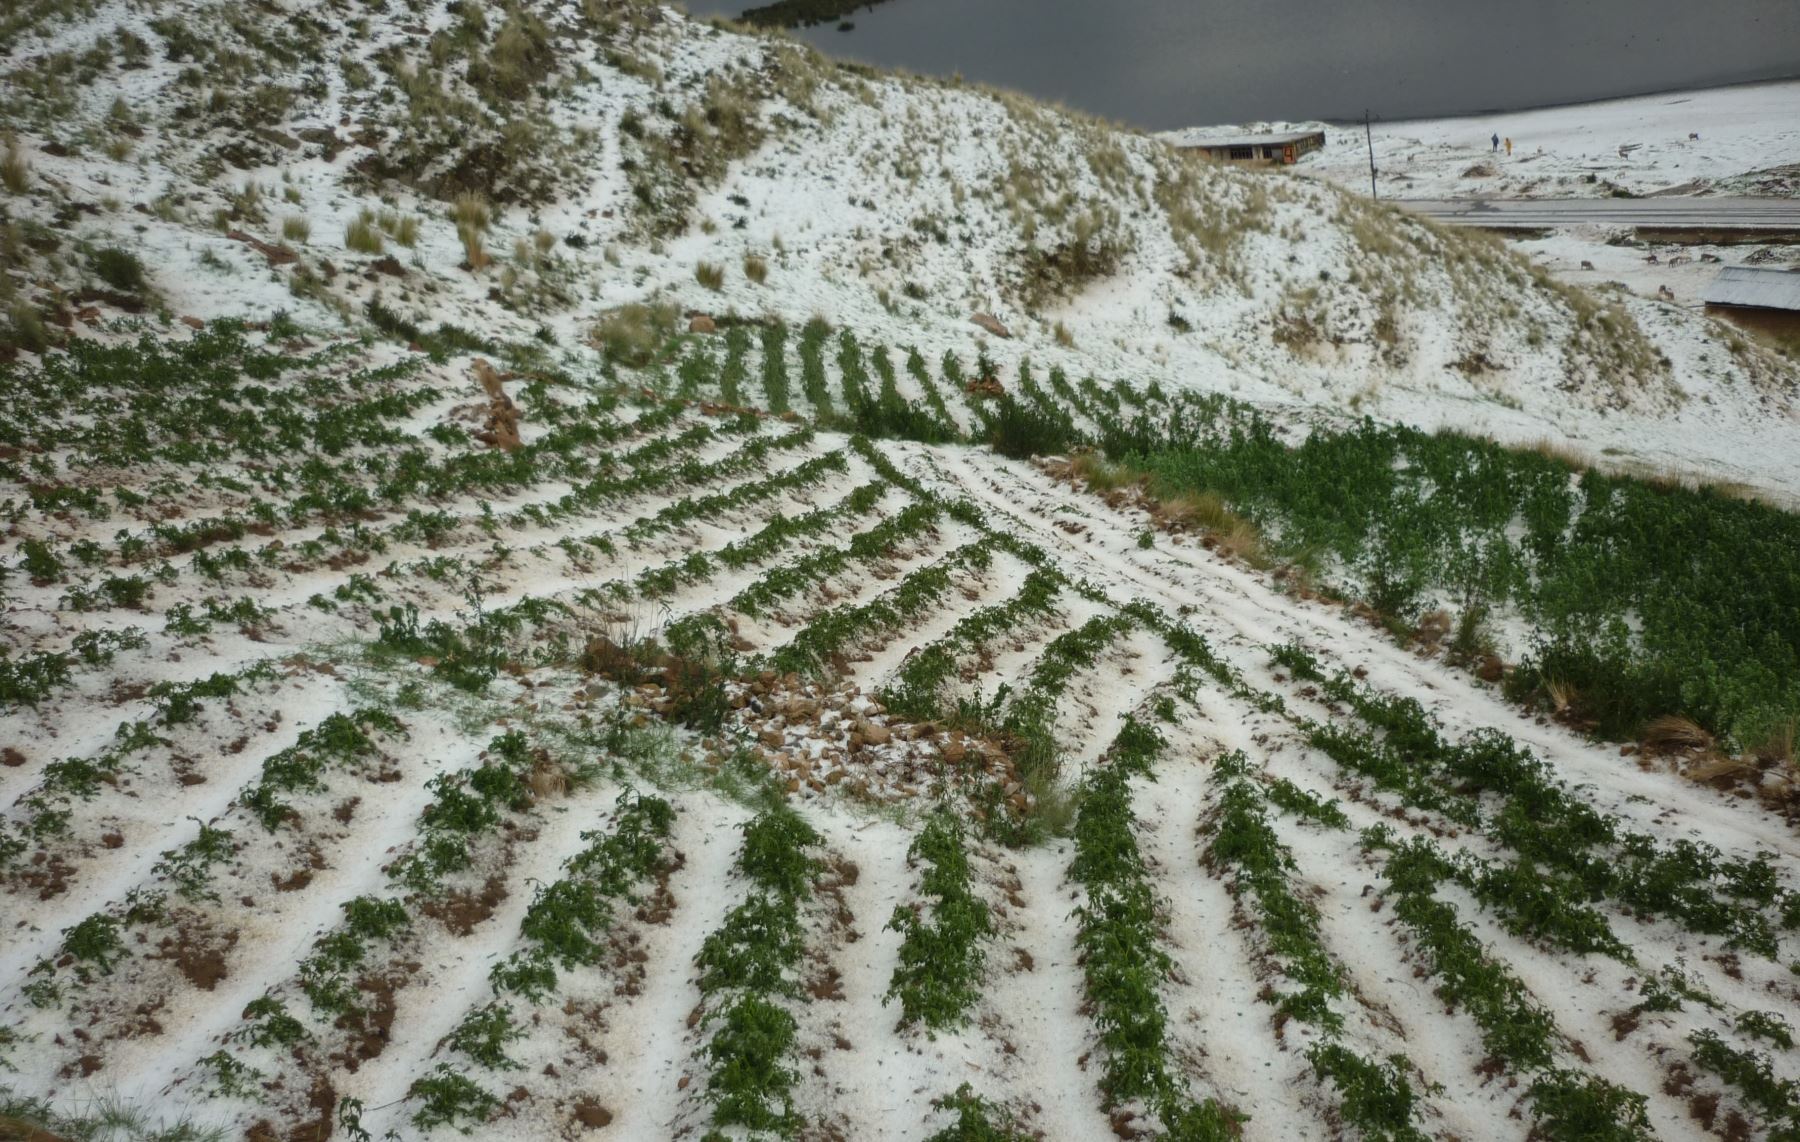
(1496, 140)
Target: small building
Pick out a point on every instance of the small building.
(1285, 148)
(1763, 299)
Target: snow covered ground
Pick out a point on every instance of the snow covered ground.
(333, 711)
(1730, 140)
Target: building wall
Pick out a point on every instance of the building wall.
(1779, 323)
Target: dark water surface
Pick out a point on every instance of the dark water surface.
(1172, 63)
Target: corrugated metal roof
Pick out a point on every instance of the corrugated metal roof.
(1245, 140)
(1758, 288)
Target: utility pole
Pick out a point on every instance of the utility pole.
(1369, 134)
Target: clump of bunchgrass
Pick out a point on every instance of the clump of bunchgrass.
(363, 235)
(119, 269)
(756, 268)
(402, 228)
(15, 171)
(711, 275)
(472, 216)
(631, 334)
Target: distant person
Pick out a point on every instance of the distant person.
(1509, 147)
(1496, 146)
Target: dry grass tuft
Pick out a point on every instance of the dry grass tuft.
(402, 228)
(1205, 510)
(632, 334)
(475, 255)
(1563, 695)
(363, 235)
(15, 171)
(1433, 629)
(1723, 770)
(1100, 475)
(1243, 539)
(711, 275)
(296, 229)
(547, 779)
(471, 210)
(1562, 452)
(1673, 733)
(756, 268)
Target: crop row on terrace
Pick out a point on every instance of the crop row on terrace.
(639, 503)
(1124, 962)
(1488, 781)
(562, 929)
(748, 968)
(1377, 1095)
(1414, 523)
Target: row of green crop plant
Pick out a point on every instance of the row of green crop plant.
(68, 780)
(337, 742)
(581, 451)
(438, 527)
(1537, 909)
(1516, 1029)
(340, 742)
(95, 945)
(1621, 631)
(1775, 1100)
(469, 655)
(959, 383)
(877, 408)
(207, 400)
(708, 508)
(772, 539)
(976, 1119)
(775, 536)
(921, 688)
(749, 978)
(913, 522)
(776, 396)
(1375, 1096)
(1593, 855)
(736, 369)
(27, 679)
(1122, 959)
(813, 381)
(917, 369)
(822, 641)
(197, 535)
(465, 807)
(871, 405)
(184, 621)
(943, 939)
(891, 413)
(1025, 718)
(562, 930)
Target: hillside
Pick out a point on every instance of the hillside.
(621, 150)
(533, 610)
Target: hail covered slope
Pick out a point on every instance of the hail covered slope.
(361, 781)
(606, 740)
(526, 171)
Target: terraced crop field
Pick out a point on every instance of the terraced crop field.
(744, 747)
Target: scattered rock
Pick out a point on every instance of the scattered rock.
(990, 323)
(277, 255)
(592, 1115)
(701, 323)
